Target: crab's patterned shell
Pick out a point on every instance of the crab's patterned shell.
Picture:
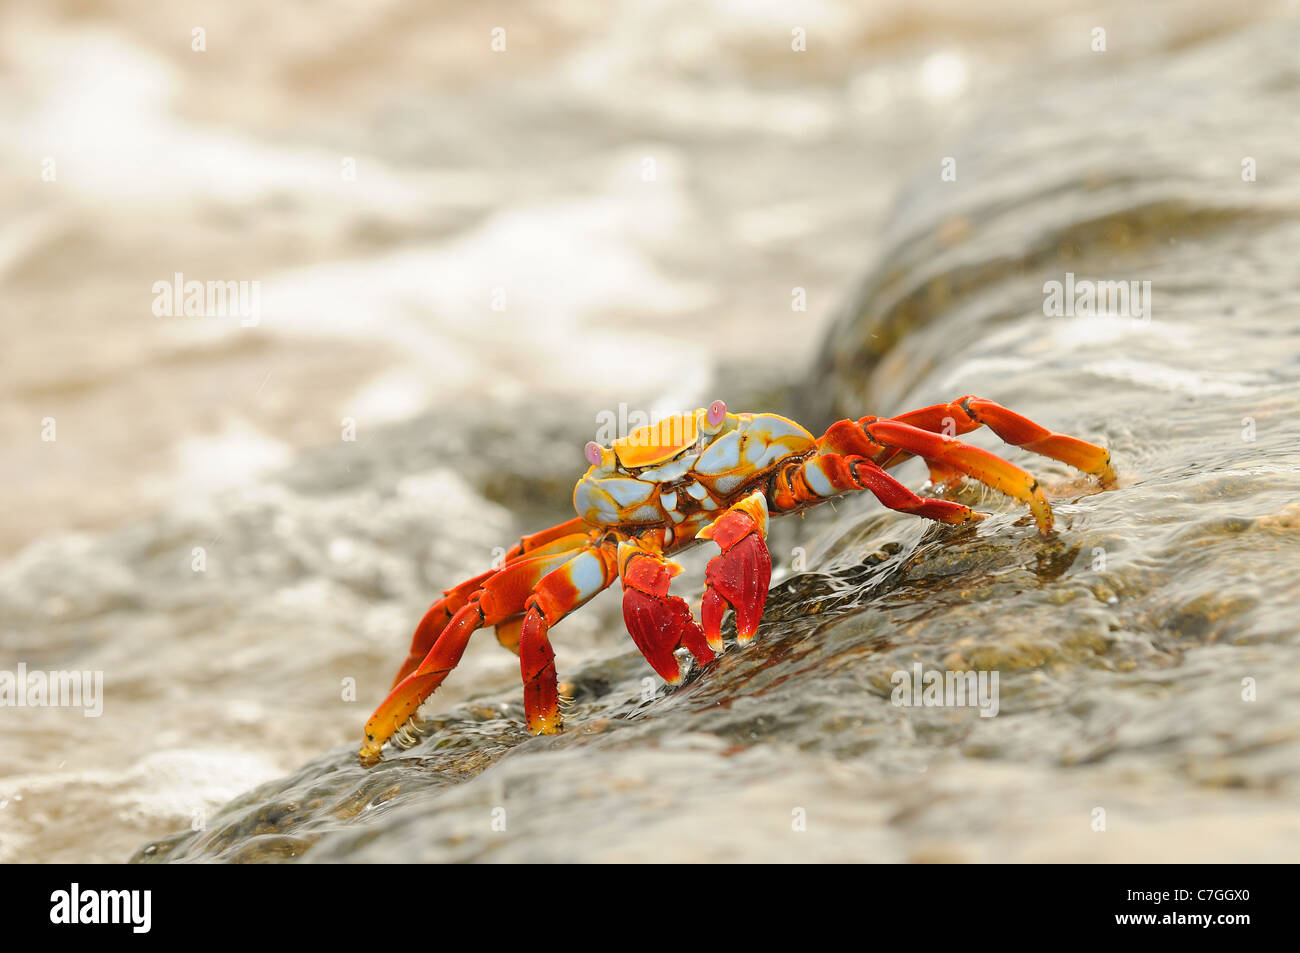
(675, 470)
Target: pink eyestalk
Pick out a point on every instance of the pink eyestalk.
(717, 413)
(593, 452)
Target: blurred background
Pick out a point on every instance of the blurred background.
(473, 229)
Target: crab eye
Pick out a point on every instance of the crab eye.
(717, 411)
(593, 452)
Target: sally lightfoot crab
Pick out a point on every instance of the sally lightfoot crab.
(709, 475)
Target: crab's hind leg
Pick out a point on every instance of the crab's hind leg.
(500, 595)
(565, 536)
(880, 439)
(436, 619)
(831, 473)
(658, 622)
(970, 412)
(979, 464)
(555, 596)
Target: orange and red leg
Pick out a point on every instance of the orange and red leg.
(830, 474)
(970, 413)
(554, 597)
(930, 433)
(543, 587)
(566, 536)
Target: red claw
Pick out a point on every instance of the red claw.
(659, 623)
(738, 577)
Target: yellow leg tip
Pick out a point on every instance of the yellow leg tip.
(546, 724)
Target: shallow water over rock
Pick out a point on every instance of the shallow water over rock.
(1146, 654)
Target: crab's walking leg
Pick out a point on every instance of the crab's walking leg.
(970, 412)
(739, 576)
(502, 594)
(509, 631)
(658, 622)
(436, 619)
(972, 461)
(559, 593)
(831, 474)
(566, 536)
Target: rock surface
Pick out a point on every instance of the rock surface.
(1145, 653)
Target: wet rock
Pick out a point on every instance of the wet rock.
(1144, 654)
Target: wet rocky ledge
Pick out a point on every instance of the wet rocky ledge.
(1146, 653)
